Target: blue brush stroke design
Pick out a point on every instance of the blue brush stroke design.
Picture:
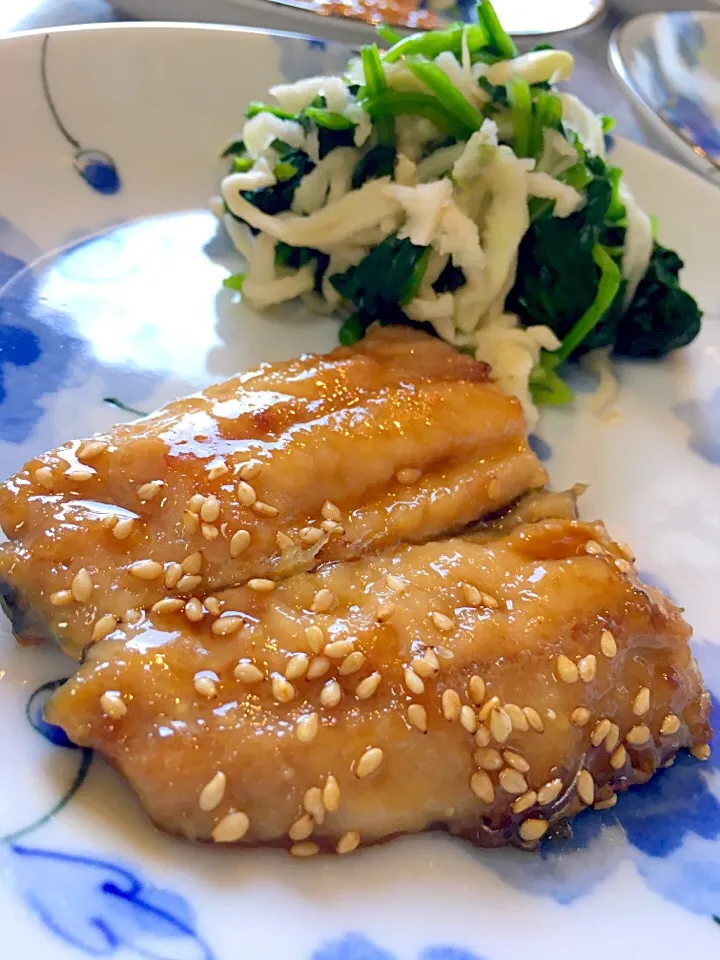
(695, 121)
(703, 419)
(103, 909)
(34, 713)
(356, 946)
(541, 448)
(98, 170)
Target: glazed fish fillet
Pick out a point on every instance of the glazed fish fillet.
(398, 439)
(492, 684)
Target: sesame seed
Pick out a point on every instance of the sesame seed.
(338, 649)
(488, 758)
(481, 785)
(91, 450)
(348, 842)
(191, 522)
(641, 703)
(187, 583)
(315, 638)
(297, 666)
(302, 828)
(566, 669)
(352, 663)
(516, 760)
(482, 736)
(331, 694)
(310, 536)
(408, 475)
(493, 489)
(168, 605)
(44, 476)
(82, 586)
(213, 606)
(194, 610)
(472, 595)
(79, 474)
(608, 644)
(231, 828)
(369, 762)
(623, 566)
(669, 726)
(451, 705)
(284, 542)
(227, 625)
(173, 573)
(701, 751)
(204, 682)
(468, 720)
(534, 719)
(261, 585)
(385, 611)
(625, 550)
(618, 758)
(306, 849)
(395, 583)
(512, 781)
(580, 716)
(549, 791)
(246, 494)
(319, 666)
(105, 625)
(193, 563)
(443, 623)
(517, 717)
(218, 470)
(313, 804)
(149, 490)
(209, 531)
(195, 503)
(487, 708)
(587, 668)
(586, 787)
(550, 714)
(283, 691)
(133, 615)
(307, 727)
(61, 598)
(600, 731)
(246, 672)
(322, 601)
(413, 682)
(606, 804)
(427, 665)
(109, 521)
(264, 509)
(332, 528)
(443, 653)
(613, 738)
(500, 725)
(250, 469)
(331, 794)
(146, 570)
(417, 717)
(330, 511)
(112, 704)
(212, 793)
(524, 802)
(239, 543)
(476, 689)
(532, 829)
(593, 548)
(638, 735)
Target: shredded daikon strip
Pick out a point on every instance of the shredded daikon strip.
(266, 294)
(538, 66)
(294, 97)
(260, 131)
(567, 199)
(598, 362)
(638, 244)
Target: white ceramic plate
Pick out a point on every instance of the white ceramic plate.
(117, 294)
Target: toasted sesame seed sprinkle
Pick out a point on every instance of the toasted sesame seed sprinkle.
(348, 842)
(284, 542)
(669, 726)
(476, 689)
(426, 665)
(146, 569)
(701, 751)
(443, 623)
(104, 626)
(623, 566)
(601, 729)
(307, 727)
(239, 542)
(319, 666)
(191, 522)
(265, 509)
(550, 714)
(205, 682)
(512, 781)
(625, 550)
(524, 802)
(517, 717)
(500, 725)
(217, 470)
(250, 469)
(310, 536)
(607, 804)
(332, 528)
(44, 476)
(209, 531)
(331, 794)
(385, 611)
(396, 584)
(493, 489)
(608, 644)
(468, 720)
(313, 804)
(567, 671)
(231, 828)
(443, 653)
(113, 705)
(516, 760)
(283, 691)
(587, 668)
(331, 694)
(322, 601)
(532, 829)
(195, 503)
(549, 791)
(352, 663)
(79, 474)
(482, 736)
(213, 606)
(261, 585)
(451, 704)
(315, 638)
(173, 574)
(246, 494)
(302, 828)
(133, 615)
(638, 735)
(417, 717)
(580, 716)
(482, 786)
(91, 450)
(534, 719)
(613, 738)
(413, 682)
(212, 793)
(149, 490)
(369, 762)
(61, 598)
(194, 610)
(109, 521)
(168, 605)
(586, 787)
(82, 586)
(618, 758)
(408, 475)
(330, 511)
(305, 849)
(246, 672)
(488, 758)
(187, 583)
(641, 703)
(472, 595)
(297, 666)
(487, 708)
(338, 649)
(593, 548)
(192, 564)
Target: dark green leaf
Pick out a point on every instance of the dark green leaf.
(351, 331)
(500, 41)
(377, 162)
(256, 107)
(275, 199)
(234, 147)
